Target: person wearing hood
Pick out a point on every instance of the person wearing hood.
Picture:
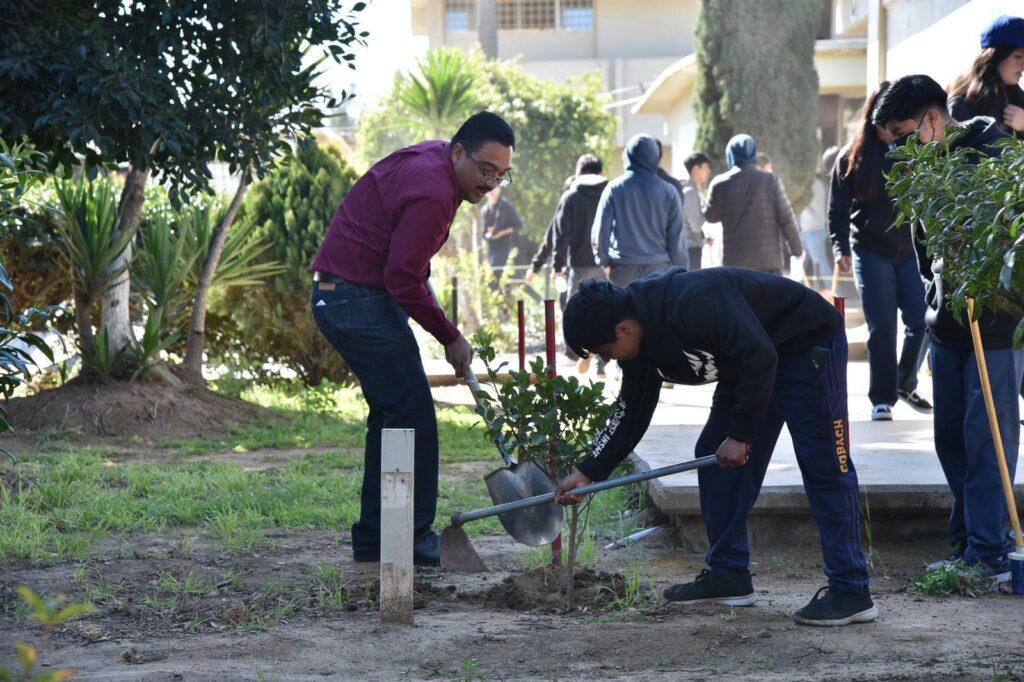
(754, 211)
(571, 229)
(963, 439)
(778, 352)
(638, 228)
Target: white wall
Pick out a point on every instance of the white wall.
(939, 38)
(645, 28)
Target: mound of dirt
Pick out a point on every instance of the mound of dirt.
(542, 589)
(143, 409)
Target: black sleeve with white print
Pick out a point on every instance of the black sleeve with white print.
(641, 387)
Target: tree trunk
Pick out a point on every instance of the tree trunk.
(193, 362)
(83, 321)
(570, 567)
(114, 314)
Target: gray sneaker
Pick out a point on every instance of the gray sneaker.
(881, 413)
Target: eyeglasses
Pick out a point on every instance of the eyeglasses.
(489, 178)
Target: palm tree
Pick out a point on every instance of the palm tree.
(441, 94)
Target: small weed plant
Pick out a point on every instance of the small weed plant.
(953, 578)
(48, 612)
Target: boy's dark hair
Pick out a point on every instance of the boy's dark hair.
(907, 98)
(481, 128)
(695, 159)
(591, 315)
(588, 164)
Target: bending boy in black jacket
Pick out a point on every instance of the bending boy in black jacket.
(778, 352)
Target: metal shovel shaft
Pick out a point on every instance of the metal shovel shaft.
(699, 463)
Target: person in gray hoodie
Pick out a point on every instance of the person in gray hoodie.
(638, 228)
(754, 211)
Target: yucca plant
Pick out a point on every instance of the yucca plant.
(89, 244)
(442, 92)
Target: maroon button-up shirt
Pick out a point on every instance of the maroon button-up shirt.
(389, 226)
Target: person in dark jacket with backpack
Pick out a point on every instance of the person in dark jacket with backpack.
(778, 352)
(963, 439)
(884, 264)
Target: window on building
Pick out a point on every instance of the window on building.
(537, 14)
(460, 15)
(567, 15)
(578, 15)
(508, 15)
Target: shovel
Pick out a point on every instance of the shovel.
(457, 553)
(516, 481)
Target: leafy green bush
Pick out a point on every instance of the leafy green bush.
(272, 324)
(18, 331)
(971, 215)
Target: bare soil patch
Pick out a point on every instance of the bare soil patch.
(135, 409)
(297, 608)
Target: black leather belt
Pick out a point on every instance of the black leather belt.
(327, 277)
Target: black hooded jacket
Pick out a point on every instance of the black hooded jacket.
(945, 327)
(574, 218)
(731, 325)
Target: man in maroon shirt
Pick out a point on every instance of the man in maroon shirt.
(370, 276)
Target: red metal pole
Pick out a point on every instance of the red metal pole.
(521, 313)
(549, 334)
(549, 343)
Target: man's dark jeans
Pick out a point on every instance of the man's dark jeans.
(886, 284)
(371, 333)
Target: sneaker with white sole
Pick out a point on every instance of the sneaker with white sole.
(915, 401)
(729, 590)
(836, 608)
(959, 546)
(881, 413)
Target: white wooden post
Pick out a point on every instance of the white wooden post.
(396, 529)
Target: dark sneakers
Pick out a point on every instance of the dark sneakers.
(730, 590)
(837, 608)
(959, 546)
(915, 401)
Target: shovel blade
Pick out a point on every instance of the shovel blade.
(533, 526)
(457, 553)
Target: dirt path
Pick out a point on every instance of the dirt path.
(263, 615)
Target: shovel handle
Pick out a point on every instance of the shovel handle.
(460, 518)
(474, 387)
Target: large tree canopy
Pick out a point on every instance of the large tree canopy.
(167, 88)
(755, 75)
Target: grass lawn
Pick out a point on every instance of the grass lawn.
(60, 500)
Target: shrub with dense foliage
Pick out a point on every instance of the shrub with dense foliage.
(272, 324)
(755, 74)
(971, 215)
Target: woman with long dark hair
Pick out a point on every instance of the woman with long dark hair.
(884, 264)
(991, 87)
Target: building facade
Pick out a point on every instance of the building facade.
(628, 42)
